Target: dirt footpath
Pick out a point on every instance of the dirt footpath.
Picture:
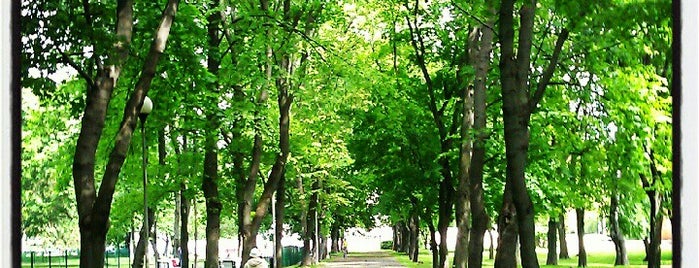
(364, 259)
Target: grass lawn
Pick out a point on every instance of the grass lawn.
(74, 261)
(593, 260)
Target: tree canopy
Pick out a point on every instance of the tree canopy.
(418, 115)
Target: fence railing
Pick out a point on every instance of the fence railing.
(70, 258)
(122, 259)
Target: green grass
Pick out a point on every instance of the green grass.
(73, 261)
(593, 260)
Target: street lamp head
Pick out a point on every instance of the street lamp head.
(147, 106)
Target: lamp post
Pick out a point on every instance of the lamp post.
(146, 108)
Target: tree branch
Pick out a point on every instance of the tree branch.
(479, 20)
(66, 59)
(548, 73)
(420, 57)
(118, 154)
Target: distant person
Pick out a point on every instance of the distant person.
(255, 261)
(344, 248)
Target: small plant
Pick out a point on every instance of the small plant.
(386, 244)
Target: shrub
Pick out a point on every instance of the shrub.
(386, 244)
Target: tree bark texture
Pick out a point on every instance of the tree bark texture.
(463, 194)
(213, 203)
(140, 251)
(462, 202)
(414, 226)
(404, 237)
(323, 247)
(279, 222)
(210, 174)
(176, 224)
(582, 254)
(154, 238)
(491, 249)
(507, 233)
(181, 246)
(656, 223)
(94, 207)
(335, 238)
(184, 232)
(396, 237)
(518, 104)
(433, 243)
(656, 218)
(615, 233)
(479, 217)
(552, 257)
(309, 254)
(562, 237)
(516, 119)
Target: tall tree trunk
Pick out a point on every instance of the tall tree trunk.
(307, 258)
(176, 225)
(178, 206)
(414, 231)
(396, 237)
(491, 250)
(653, 254)
(516, 119)
(507, 233)
(335, 238)
(518, 105)
(279, 222)
(445, 213)
(213, 204)
(154, 239)
(140, 251)
(562, 237)
(480, 219)
(409, 237)
(210, 175)
(94, 207)
(310, 252)
(284, 100)
(184, 232)
(323, 247)
(582, 254)
(462, 202)
(552, 257)
(446, 188)
(616, 234)
(304, 219)
(433, 243)
(161, 163)
(656, 223)
(405, 238)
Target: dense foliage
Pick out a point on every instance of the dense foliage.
(412, 114)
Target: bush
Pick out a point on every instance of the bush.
(386, 244)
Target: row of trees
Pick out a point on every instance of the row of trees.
(484, 113)
(502, 114)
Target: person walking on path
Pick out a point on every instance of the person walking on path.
(344, 248)
(255, 260)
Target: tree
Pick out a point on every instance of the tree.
(94, 207)
(518, 105)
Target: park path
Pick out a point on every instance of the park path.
(363, 259)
